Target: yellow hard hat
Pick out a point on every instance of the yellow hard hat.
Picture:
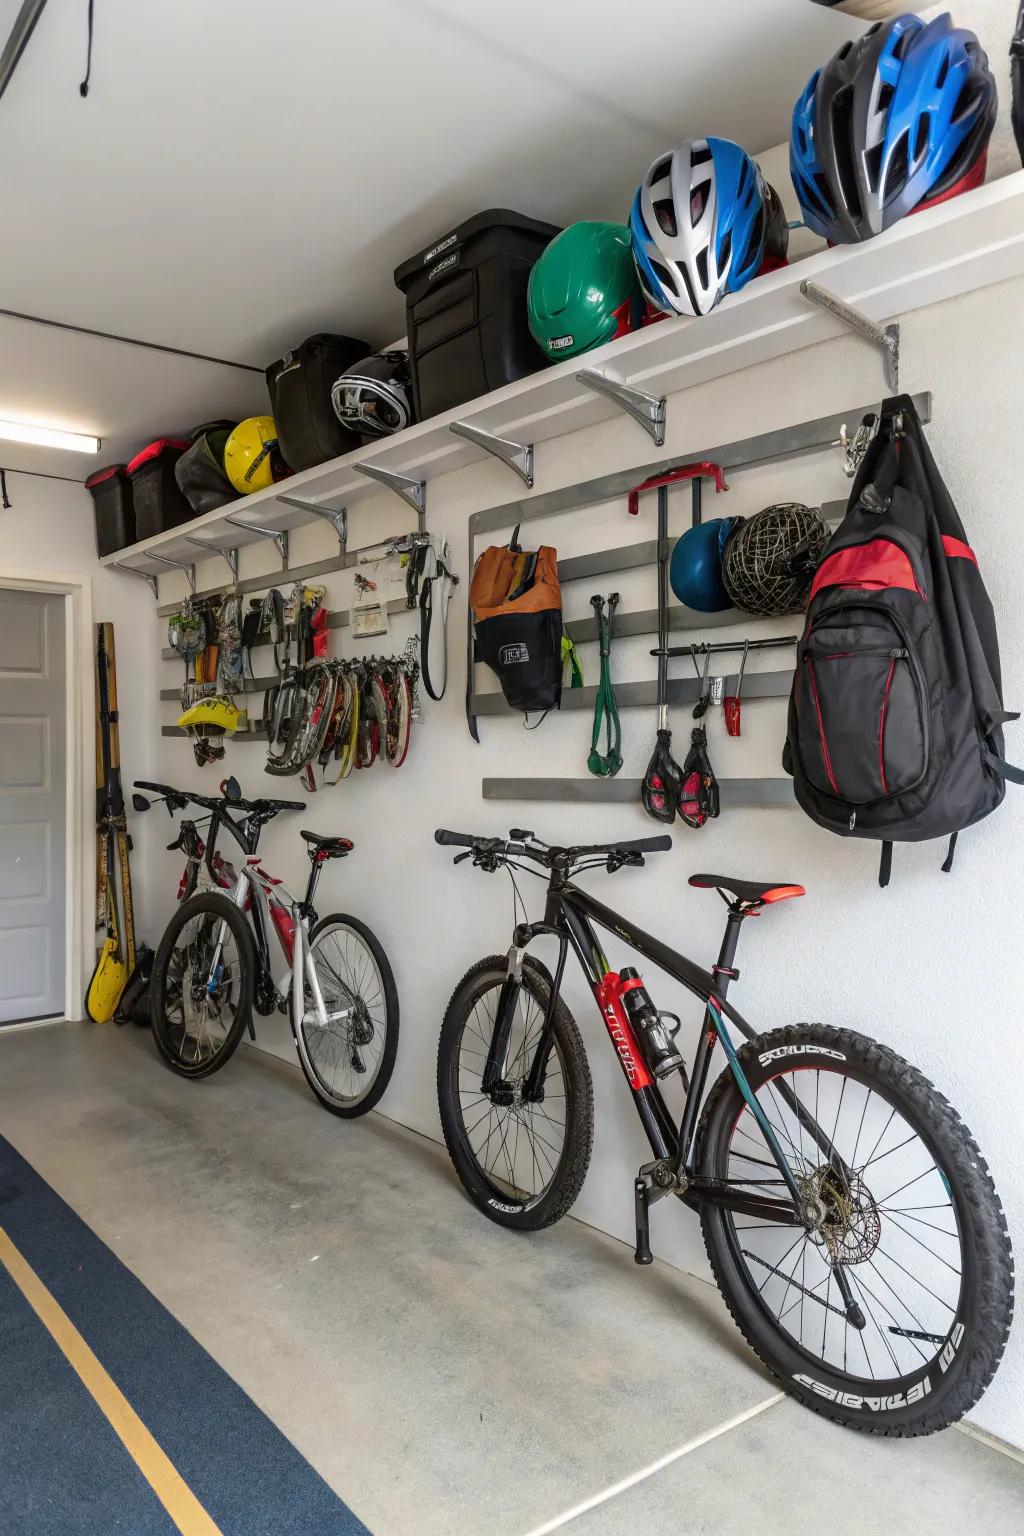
(215, 711)
(252, 460)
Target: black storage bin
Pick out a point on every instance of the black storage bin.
(159, 503)
(111, 492)
(300, 383)
(465, 297)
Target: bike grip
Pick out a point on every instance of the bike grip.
(454, 839)
(649, 844)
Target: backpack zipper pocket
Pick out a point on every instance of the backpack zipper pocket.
(864, 735)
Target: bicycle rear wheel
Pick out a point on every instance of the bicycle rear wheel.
(348, 1064)
(202, 985)
(904, 1212)
(523, 1163)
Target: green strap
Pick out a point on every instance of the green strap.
(570, 659)
(605, 765)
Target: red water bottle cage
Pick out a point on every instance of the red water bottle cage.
(688, 472)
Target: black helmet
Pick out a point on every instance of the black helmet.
(373, 396)
(896, 120)
(770, 561)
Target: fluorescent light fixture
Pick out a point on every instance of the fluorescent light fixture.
(48, 437)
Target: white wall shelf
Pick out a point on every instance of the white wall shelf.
(968, 243)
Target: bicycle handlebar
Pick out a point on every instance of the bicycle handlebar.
(222, 803)
(549, 856)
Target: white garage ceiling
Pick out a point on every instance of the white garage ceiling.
(245, 173)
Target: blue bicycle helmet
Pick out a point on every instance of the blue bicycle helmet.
(700, 222)
(695, 571)
(894, 121)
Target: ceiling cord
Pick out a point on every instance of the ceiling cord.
(83, 89)
(5, 500)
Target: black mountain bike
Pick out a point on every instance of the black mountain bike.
(849, 1218)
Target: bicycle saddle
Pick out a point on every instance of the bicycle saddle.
(748, 890)
(333, 847)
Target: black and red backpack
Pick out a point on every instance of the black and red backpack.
(896, 713)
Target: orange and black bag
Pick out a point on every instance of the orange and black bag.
(517, 614)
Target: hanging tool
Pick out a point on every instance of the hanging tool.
(607, 764)
(732, 704)
(703, 703)
(114, 908)
(661, 785)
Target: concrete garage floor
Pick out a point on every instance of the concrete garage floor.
(443, 1375)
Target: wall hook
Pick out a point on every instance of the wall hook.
(518, 456)
(147, 576)
(179, 565)
(279, 536)
(887, 340)
(410, 490)
(336, 516)
(648, 410)
(230, 555)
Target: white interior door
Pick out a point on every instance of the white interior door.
(33, 810)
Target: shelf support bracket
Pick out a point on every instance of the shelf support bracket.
(518, 456)
(648, 410)
(147, 576)
(887, 340)
(412, 491)
(229, 555)
(179, 565)
(279, 536)
(336, 516)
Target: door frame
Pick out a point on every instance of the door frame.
(80, 808)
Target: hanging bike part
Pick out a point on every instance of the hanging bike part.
(436, 580)
(114, 907)
(606, 764)
(732, 703)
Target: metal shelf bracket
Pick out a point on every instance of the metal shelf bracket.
(147, 577)
(229, 555)
(518, 456)
(648, 410)
(336, 516)
(887, 340)
(410, 490)
(279, 536)
(180, 565)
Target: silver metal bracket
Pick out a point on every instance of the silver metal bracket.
(336, 516)
(179, 565)
(147, 577)
(230, 555)
(648, 410)
(410, 490)
(518, 456)
(887, 340)
(279, 536)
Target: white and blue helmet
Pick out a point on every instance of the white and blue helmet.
(700, 223)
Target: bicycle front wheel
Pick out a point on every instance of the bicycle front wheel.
(348, 1062)
(202, 985)
(521, 1160)
(902, 1215)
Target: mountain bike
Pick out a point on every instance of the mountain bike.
(213, 967)
(849, 1218)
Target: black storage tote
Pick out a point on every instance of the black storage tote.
(466, 313)
(159, 503)
(300, 384)
(114, 510)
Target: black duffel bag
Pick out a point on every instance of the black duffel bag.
(300, 384)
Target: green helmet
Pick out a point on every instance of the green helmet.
(583, 289)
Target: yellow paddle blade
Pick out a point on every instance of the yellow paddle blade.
(107, 984)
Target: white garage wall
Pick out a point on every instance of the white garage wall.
(934, 965)
(49, 531)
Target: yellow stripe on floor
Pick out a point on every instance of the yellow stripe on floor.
(162, 1476)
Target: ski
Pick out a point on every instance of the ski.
(114, 910)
